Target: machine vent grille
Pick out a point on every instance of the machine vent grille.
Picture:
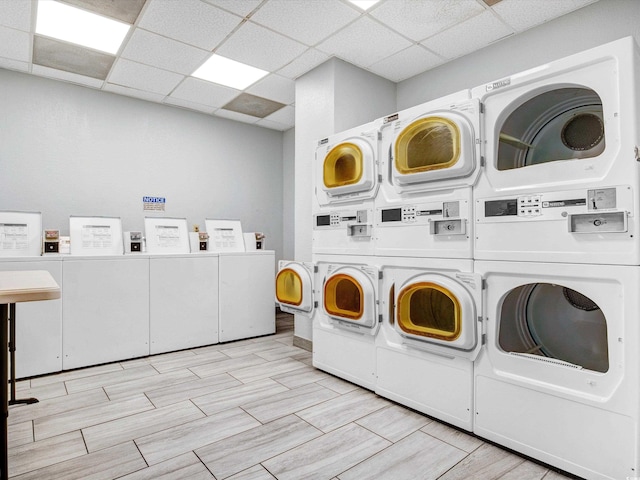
(547, 360)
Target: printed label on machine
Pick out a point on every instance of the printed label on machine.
(96, 236)
(14, 236)
(168, 236)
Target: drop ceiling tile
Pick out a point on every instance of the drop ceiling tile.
(66, 76)
(15, 44)
(71, 58)
(178, 102)
(242, 8)
(259, 47)
(133, 92)
(158, 51)
(405, 64)
(253, 105)
(273, 125)
(14, 64)
(523, 15)
(286, 116)
(364, 43)
(124, 10)
(305, 62)
(143, 77)
(189, 21)
(276, 88)
(468, 36)
(307, 22)
(15, 14)
(206, 93)
(238, 117)
(421, 19)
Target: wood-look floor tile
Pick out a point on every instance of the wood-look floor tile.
(225, 366)
(139, 362)
(485, 462)
(254, 473)
(300, 377)
(234, 454)
(255, 347)
(183, 467)
(552, 475)
(163, 380)
(341, 410)
(328, 455)
(288, 402)
(20, 434)
(109, 378)
(35, 455)
(280, 352)
(41, 392)
(187, 362)
(105, 464)
(74, 374)
(45, 427)
(453, 436)
(526, 471)
(266, 370)
(162, 397)
(338, 385)
(135, 426)
(418, 452)
(54, 406)
(393, 422)
(175, 441)
(240, 395)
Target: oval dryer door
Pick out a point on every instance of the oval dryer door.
(556, 323)
(349, 296)
(433, 148)
(294, 287)
(438, 313)
(347, 169)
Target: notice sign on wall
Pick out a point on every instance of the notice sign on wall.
(154, 204)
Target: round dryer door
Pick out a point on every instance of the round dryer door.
(436, 309)
(294, 288)
(559, 124)
(349, 296)
(348, 168)
(433, 148)
(555, 322)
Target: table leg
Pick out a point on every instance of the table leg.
(12, 354)
(4, 391)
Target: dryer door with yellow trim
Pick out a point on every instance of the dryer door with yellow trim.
(346, 166)
(349, 296)
(434, 148)
(439, 312)
(294, 287)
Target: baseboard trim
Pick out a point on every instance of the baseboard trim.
(303, 343)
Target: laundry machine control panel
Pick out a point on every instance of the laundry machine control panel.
(443, 218)
(585, 225)
(356, 222)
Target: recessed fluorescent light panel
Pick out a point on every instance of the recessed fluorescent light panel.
(364, 4)
(74, 25)
(229, 73)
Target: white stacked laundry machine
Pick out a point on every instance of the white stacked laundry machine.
(477, 258)
(556, 241)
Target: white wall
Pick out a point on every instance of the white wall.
(593, 25)
(331, 98)
(70, 150)
(288, 194)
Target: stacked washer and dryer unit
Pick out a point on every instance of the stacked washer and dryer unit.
(477, 258)
(557, 241)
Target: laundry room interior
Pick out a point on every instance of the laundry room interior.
(404, 245)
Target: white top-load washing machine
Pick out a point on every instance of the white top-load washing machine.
(431, 332)
(429, 160)
(558, 377)
(562, 162)
(345, 182)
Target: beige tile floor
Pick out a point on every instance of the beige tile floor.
(249, 410)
